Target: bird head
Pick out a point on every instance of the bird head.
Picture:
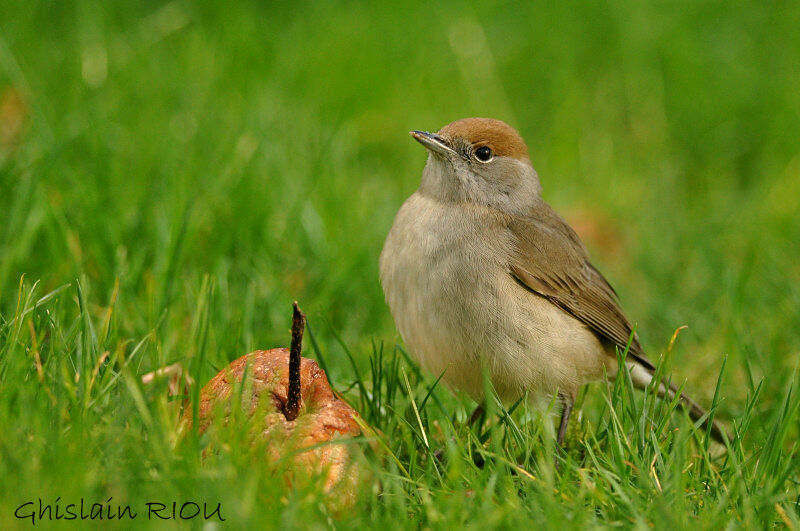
(479, 160)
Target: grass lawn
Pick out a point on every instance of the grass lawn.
(173, 175)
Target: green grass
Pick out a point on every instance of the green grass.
(173, 175)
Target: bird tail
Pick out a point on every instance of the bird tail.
(642, 377)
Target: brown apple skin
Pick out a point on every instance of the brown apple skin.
(323, 416)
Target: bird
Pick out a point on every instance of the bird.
(482, 276)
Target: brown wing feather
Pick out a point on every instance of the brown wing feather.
(552, 262)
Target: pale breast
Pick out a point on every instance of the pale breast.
(444, 272)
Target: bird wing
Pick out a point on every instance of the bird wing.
(551, 261)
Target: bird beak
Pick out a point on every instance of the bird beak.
(433, 142)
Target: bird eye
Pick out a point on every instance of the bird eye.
(483, 154)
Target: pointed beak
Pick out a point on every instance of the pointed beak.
(433, 142)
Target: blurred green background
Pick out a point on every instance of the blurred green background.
(264, 146)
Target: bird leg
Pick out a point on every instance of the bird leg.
(473, 418)
(478, 413)
(566, 411)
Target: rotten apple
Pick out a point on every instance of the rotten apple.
(289, 409)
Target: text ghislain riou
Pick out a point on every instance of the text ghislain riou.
(37, 511)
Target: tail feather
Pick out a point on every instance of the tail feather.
(642, 377)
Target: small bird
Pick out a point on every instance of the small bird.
(483, 276)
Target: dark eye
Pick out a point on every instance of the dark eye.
(483, 154)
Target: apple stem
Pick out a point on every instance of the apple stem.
(293, 400)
